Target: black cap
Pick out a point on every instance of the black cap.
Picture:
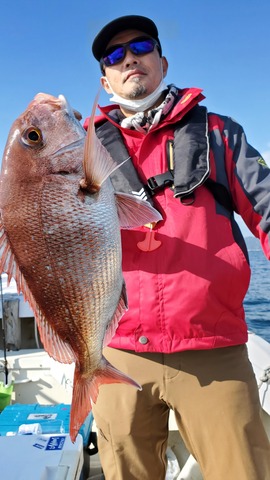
(120, 24)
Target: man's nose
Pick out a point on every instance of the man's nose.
(130, 58)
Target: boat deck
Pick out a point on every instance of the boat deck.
(39, 379)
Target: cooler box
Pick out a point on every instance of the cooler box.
(52, 419)
(41, 457)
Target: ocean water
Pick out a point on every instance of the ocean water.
(257, 301)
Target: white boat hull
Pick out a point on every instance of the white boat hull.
(39, 379)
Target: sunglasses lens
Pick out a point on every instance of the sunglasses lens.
(115, 56)
(140, 46)
(143, 46)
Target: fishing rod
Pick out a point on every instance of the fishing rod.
(4, 332)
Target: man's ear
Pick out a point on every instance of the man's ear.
(105, 84)
(165, 66)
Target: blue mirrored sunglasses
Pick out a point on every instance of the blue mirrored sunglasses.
(139, 46)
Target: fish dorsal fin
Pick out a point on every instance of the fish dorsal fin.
(119, 312)
(135, 212)
(53, 344)
(98, 164)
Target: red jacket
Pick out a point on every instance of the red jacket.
(188, 293)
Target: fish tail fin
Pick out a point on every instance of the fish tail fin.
(87, 389)
(81, 403)
(109, 374)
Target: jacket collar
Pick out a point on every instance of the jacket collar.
(188, 98)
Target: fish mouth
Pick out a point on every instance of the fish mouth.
(61, 103)
(70, 111)
(56, 103)
(66, 106)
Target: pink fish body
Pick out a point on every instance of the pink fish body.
(60, 240)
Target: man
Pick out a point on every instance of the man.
(183, 337)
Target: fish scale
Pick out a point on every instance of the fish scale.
(60, 240)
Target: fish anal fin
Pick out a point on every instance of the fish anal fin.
(54, 345)
(135, 212)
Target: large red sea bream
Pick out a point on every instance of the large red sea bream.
(60, 240)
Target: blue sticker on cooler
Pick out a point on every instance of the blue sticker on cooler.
(40, 443)
(37, 445)
(55, 443)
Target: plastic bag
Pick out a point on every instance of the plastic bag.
(173, 469)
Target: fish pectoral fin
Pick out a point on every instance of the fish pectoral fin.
(119, 312)
(135, 212)
(54, 345)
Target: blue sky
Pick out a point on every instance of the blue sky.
(222, 47)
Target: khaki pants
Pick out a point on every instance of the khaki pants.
(215, 399)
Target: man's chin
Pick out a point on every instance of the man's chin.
(137, 93)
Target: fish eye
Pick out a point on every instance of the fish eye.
(32, 136)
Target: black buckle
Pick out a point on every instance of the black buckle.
(159, 182)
